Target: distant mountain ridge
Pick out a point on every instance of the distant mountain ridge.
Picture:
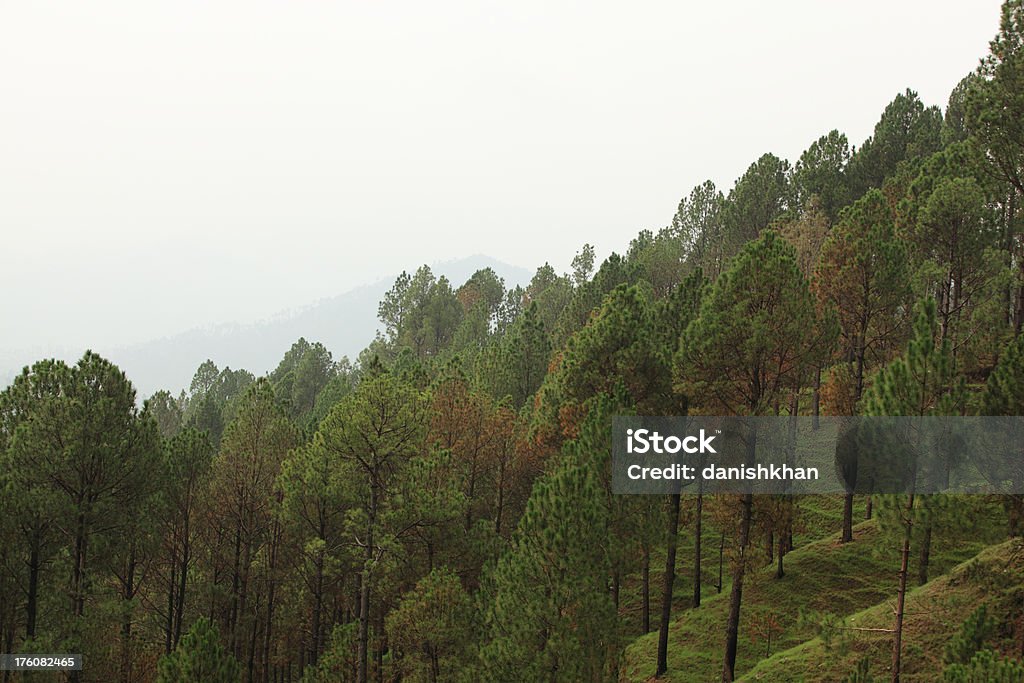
(344, 323)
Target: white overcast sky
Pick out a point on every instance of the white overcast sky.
(167, 165)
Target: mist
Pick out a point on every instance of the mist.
(166, 166)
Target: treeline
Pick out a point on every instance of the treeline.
(441, 510)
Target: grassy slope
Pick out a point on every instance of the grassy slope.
(819, 517)
(822, 576)
(935, 612)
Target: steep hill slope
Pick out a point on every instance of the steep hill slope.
(935, 614)
(822, 577)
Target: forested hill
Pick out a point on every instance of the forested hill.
(439, 509)
(344, 323)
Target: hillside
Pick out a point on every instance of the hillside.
(345, 324)
(449, 506)
(935, 613)
(822, 577)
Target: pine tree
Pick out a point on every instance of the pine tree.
(1004, 395)
(660, 260)
(31, 507)
(862, 674)
(985, 667)
(953, 233)
(376, 430)
(97, 453)
(755, 338)
(316, 498)
(244, 484)
(698, 225)
(551, 617)
(199, 658)
(920, 383)
(907, 130)
(188, 456)
(976, 629)
(994, 108)
(863, 274)
(433, 630)
(617, 347)
(301, 375)
(821, 173)
(671, 318)
(995, 103)
(761, 196)
(616, 270)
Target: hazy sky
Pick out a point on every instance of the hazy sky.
(176, 164)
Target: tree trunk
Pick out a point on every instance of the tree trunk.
(243, 611)
(721, 561)
(126, 623)
(732, 628)
(698, 531)
(1014, 504)
(926, 550)
(78, 576)
(251, 658)
(501, 499)
(859, 373)
(235, 583)
(848, 518)
(645, 580)
(779, 571)
(901, 593)
(32, 606)
(362, 657)
(667, 583)
(271, 589)
(1018, 315)
(186, 559)
(8, 647)
(318, 608)
(470, 494)
(435, 668)
(172, 584)
(381, 648)
(78, 572)
(816, 399)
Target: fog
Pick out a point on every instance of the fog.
(165, 166)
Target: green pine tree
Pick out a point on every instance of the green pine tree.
(862, 673)
(617, 347)
(433, 630)
(975, 630)
(375, 432)
(199, 658)
(985, 667)
(755, 339)
(920, 383)
(863, 274)
(551, 617)
(1004, 395)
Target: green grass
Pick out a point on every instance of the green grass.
(818, 517)
(935, 612)
(821, 576)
